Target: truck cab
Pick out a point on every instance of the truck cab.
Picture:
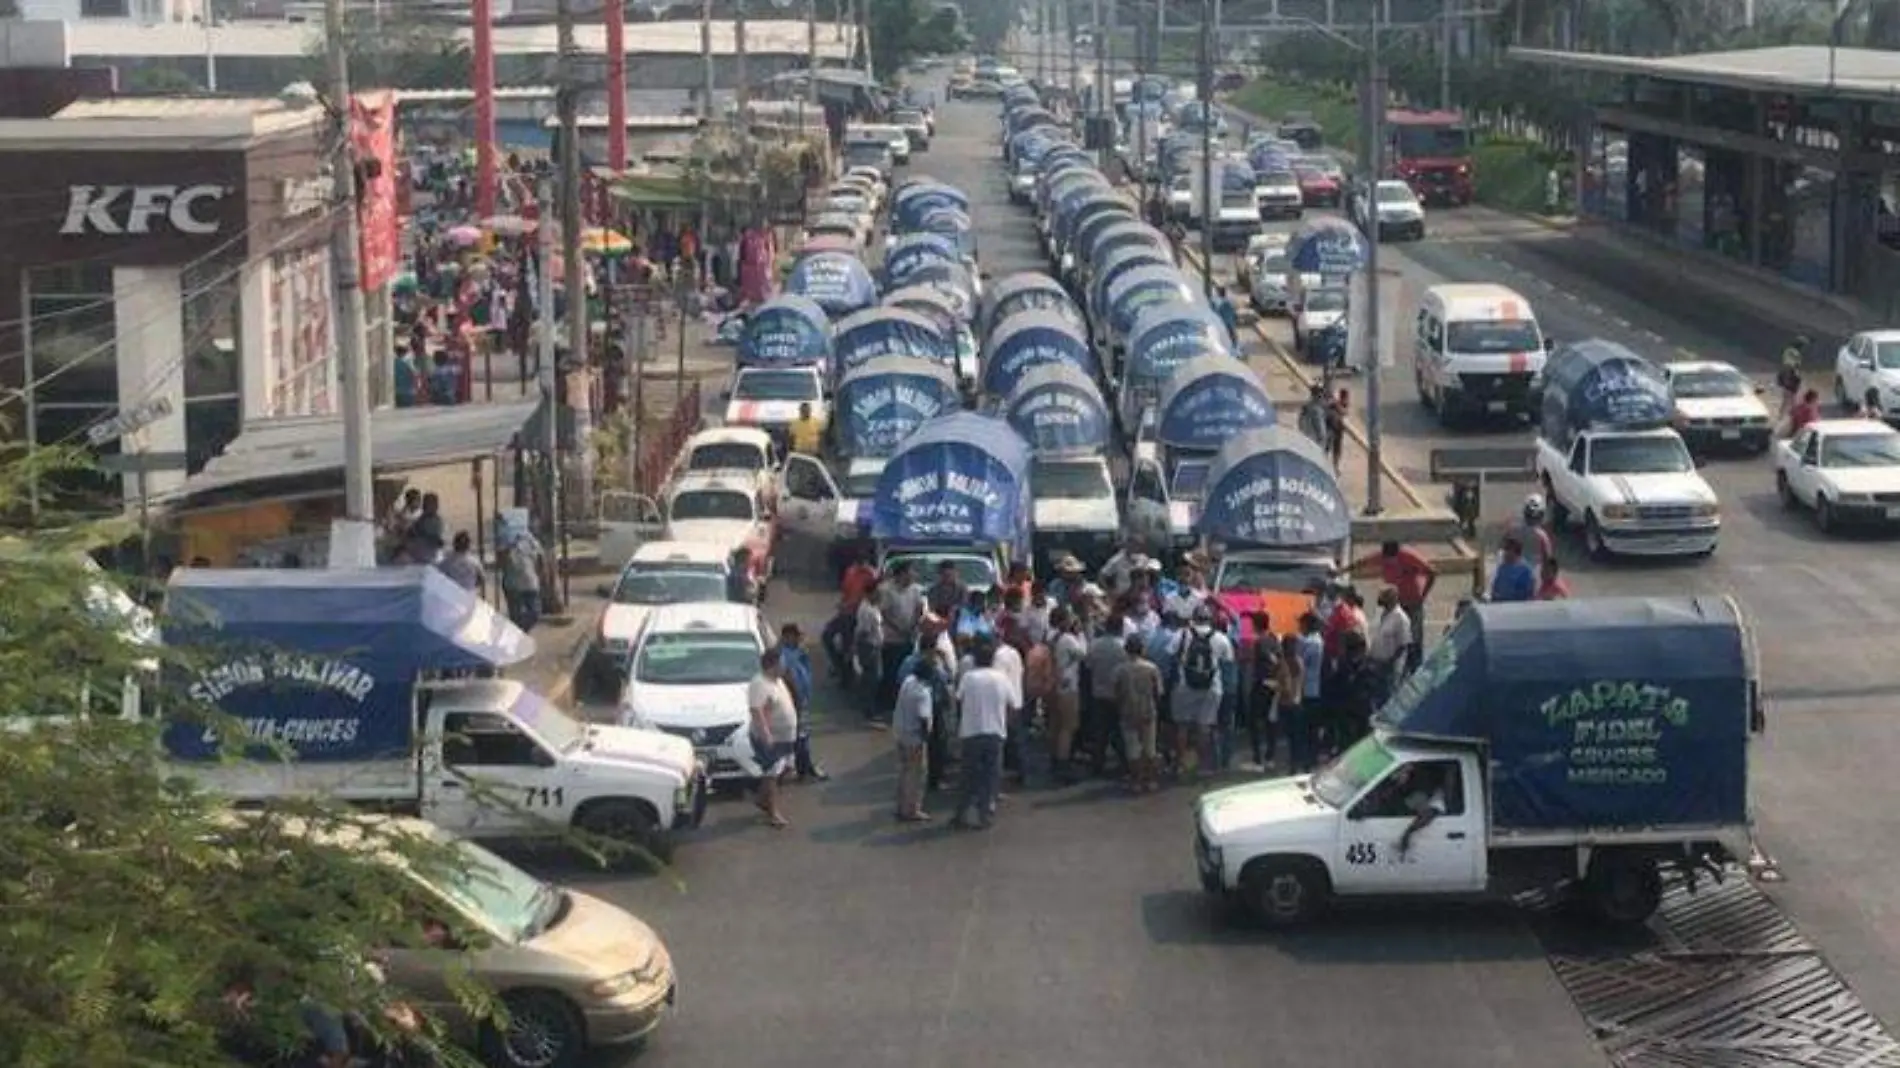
(769, 397)
(1164, 495)
(1075, 509)
(1235, 212)
(817, 507)
(1431, 152)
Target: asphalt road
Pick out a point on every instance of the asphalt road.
(1074, 933)
(1823, 609)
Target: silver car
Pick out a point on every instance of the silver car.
(1267, 269)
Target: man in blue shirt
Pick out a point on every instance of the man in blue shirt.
(1229, 317)
(1302, 745)
(1515, 580)
(795, 663)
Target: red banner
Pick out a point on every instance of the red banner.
(373, 136)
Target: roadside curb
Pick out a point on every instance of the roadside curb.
(569, 664)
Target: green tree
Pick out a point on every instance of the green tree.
(902, 30)
(133, 907)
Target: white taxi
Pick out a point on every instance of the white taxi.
(660, 573)
(1847, 471)
(687, 676)
(736, 452)
(1717, 407)
(769, 397)
(1869, 360)
(725, 513)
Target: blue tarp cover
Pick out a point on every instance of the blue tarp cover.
(1327, 245)
(1266, 158)
(1026, 291)
(960, 478)
(1273, 487)
(1121, 233)
(1070, 225)
(326, 661)
(941, 306)
(1210, 400)
(1168, 336)
(787, 331)
(881, 402)
(1030, 339)
(1140, 287)
(837, 281)
(1236, 176)
(951, 279)
(911, 204)
(1059, 410)
(1111, 265)
(912, 251)
(954, 225)
(1597, 712)
(1595, 383)
(877, 332)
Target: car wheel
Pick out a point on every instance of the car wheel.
(1284, 891)
(631, 824)
(1824, 515)
(1785, 491)
(1623, 890)
(543, 1031)
(1593, 542)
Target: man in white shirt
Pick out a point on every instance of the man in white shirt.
(773, 731)
(986, 699)
(1390, 639)
(1065, 713)
(1120, 567)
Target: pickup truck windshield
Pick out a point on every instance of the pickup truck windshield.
(1190, 479)
(1352, 771)
(975, 572)
(1071, 481)
(1326, 300)
(862, 485)
(709, 658)
(1703, 385)
(1498, 336)
(1289, 575)
(669, 587)
(727, 456)
(713, 504)
(509, 899)
(1639, 456)
(776, 386)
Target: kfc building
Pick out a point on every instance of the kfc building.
(167, 257)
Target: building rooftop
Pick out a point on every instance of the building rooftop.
(89, 39)
(123, 123)
(1814, 70)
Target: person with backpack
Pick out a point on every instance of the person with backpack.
(1199, 655)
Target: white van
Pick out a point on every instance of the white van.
(1477, 352)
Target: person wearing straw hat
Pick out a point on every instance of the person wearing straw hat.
(1068, 578)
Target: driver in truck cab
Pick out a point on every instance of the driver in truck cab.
(1423, 788)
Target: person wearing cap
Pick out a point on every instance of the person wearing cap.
(1068, 577)
(795, 670)
(1115, 574)
(1138, 613)
(933, 643)
(1514, 579)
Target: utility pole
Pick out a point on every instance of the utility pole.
(359, 475)
(548, 357)
(863, 15)
(616, 15)
(1104, 92)
(568, 101)
(1447, 12)
(1204, 89)
(710, 78)
(740, 95)
(811, 60)
(1374, 156)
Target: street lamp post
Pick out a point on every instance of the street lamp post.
(1204, 89)
(1372, 164)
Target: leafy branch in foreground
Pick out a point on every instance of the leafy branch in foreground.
(133, 907)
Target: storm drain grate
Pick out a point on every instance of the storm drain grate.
(1720, 979)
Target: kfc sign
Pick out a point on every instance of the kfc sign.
(132, 209)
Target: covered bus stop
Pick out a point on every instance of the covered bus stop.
(1781, 159)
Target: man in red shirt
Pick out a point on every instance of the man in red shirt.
(1804, 413)
(1413, 576)
(840, 635)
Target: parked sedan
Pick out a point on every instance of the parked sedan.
(1846, 471)
(1266, 274)
(1717, 407)
(1870, 360)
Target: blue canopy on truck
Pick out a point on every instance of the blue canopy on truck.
(1026, 291)
(880, 403)
(1596, 712)
(910, 204)
(912, 251)
(1273, 487)
(838, 282)
(1600, 384)
(1030, 339)
(1058, 409)
(1168, 336)
(326, 661)
(1236, 176)
(1327, 245)
(1209, 400)
(789, 331)
(1141, 287)
(878, 332)
(1113, 264)
(961, 478)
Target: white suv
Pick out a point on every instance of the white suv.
(687, 676)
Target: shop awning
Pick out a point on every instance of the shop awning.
(275, 451)
(654, 190)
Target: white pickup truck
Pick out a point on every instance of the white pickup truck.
(1609, 460)
(1583, 749)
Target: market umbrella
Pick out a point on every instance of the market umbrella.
(464, 235)
(508, 225)
(604, 242)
